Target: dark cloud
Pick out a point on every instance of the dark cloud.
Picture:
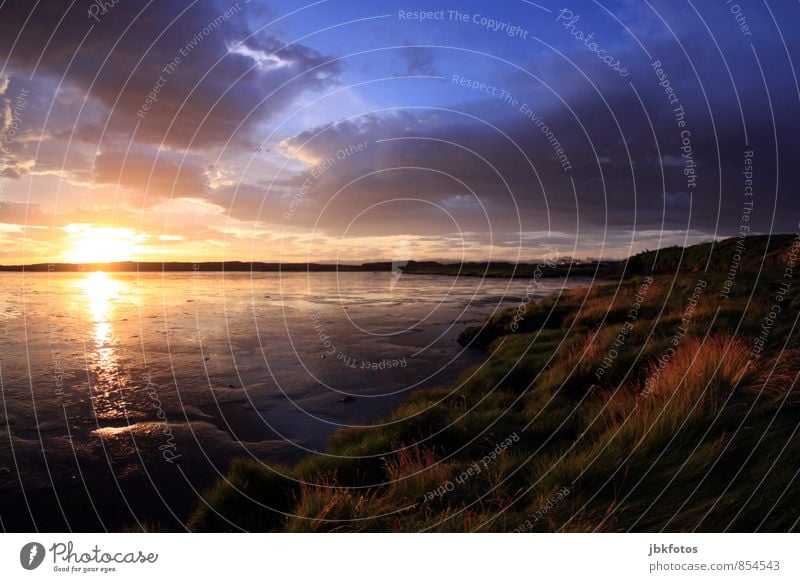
(225, 81)
(622, 138)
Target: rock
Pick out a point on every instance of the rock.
(475, 337)
(347, 399)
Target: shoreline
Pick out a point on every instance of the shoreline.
(566, 384)
(242, 421)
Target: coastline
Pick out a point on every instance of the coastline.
(568, 388)
(244, 412)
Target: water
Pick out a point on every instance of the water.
(125, 395)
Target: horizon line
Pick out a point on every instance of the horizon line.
(189, 265)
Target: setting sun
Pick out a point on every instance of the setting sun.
(92, 244)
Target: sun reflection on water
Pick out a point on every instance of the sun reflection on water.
(101, 292)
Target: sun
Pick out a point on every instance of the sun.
(101, 244)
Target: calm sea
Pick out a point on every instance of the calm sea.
(124, 396)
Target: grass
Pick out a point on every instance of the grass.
(702, 439)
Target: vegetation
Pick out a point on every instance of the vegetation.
(690, 425)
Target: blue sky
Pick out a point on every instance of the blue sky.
(502, 133)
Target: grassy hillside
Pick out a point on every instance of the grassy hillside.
(752, 253)
(656, 403)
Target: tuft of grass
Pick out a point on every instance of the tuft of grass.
(701, 376)
(253, 497)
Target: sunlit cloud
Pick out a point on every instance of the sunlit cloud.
(263, 60)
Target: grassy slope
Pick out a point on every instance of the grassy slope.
(710, 446)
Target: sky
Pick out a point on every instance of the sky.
(353, 131)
